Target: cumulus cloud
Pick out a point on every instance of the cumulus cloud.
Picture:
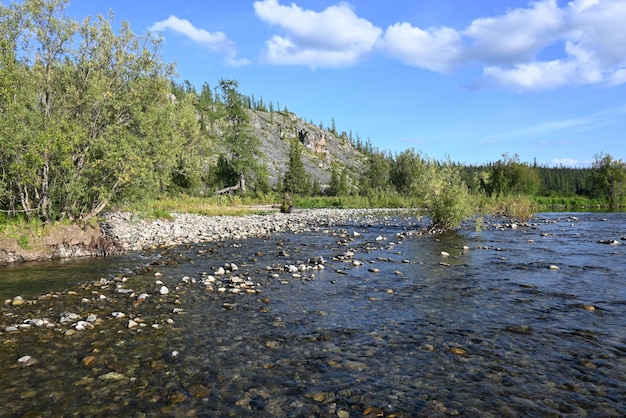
(217, 42)
(436, 49)
(334, 37)
(587, 35)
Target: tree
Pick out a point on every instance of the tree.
(609, 179)
(89, 114)
(296, 179)
(510, 176)
(405, 172)
(377, 176)
(243, 147)
(338, 181)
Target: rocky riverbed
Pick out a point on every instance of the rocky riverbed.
(133, 233)
(119, 232)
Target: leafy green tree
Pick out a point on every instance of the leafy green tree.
(510, 176)
(91, 119)
(296, 180)
(406, 171)
(609, 179)
(377, 176)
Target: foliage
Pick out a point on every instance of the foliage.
(377, 176)
(405, 172)
(509, 176)
(338, 181)
(609, 179)
(244, 148)
(86, 114)
(296, 180)
(446, 195)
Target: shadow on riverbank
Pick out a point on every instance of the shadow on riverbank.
(56, 242)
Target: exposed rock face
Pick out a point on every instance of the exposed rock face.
(278, 129)
(314, 140)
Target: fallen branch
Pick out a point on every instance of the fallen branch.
(228, 189)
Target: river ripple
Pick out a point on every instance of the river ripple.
(523, 322)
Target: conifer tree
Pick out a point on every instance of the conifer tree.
(296, 181)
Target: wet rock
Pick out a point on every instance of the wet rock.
(88, 361)
(26, 361)
(609, 242)
(457, 350)
(164, 290)
(519, 329)
(112, 376)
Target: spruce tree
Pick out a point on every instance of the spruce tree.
(296, 181)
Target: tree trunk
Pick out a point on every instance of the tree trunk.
(242, 182)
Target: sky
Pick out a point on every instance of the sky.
(462, 80)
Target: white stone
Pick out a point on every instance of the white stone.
(164, 290)
(26, 361)
(18, 300)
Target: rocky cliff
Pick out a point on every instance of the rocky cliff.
(276, 130)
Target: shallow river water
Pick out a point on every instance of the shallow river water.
(527, 321)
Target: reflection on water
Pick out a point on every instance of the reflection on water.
(396, 329)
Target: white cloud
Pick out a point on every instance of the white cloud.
(216, 41)
(516, 36)
(437, 49)
(569, 162)
(334, 37)
(585, 38)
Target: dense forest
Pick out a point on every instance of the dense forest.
(90, 117)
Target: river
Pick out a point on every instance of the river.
(364, 319)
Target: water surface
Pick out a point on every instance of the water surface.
(494, 329)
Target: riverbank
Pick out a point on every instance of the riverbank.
(119, 232)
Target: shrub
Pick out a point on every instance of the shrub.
(446, 195)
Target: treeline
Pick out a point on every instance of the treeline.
(91, 118)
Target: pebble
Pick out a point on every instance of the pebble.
(164, 290)
(26, 361)
(17, 301)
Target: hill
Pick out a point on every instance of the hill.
(322, 147)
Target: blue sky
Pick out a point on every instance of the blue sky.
(461, 79)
